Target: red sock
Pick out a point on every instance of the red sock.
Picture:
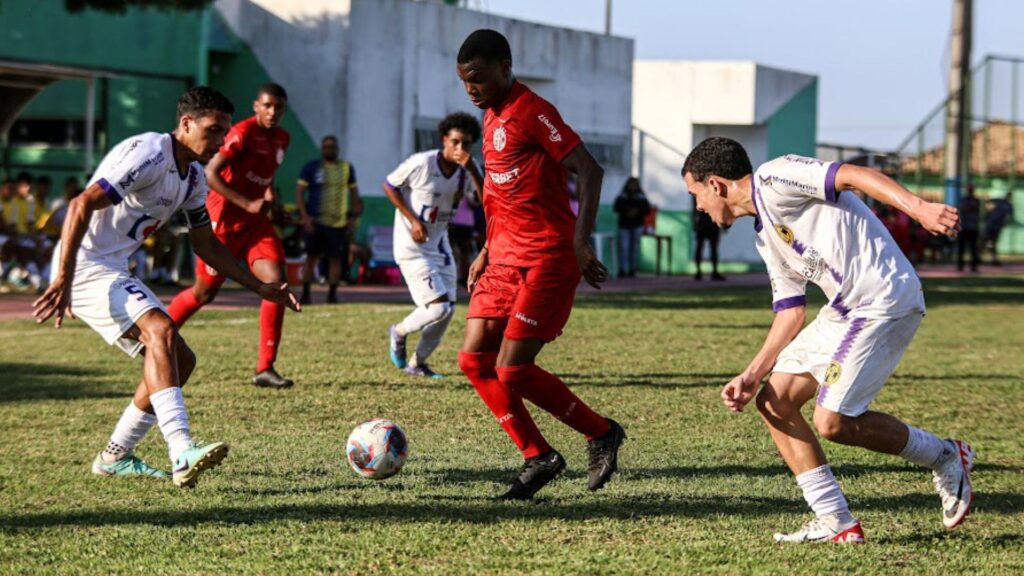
(183, 306)
(550, 393)
(507, 407)
(271, 320)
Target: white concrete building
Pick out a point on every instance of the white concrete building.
(677, 104)
(381, 74)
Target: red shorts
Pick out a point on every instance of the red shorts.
(258, 241)
(537, 301)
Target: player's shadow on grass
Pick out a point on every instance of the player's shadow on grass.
(445, 508)
(26, 381)
(650, 379)
(840, 470)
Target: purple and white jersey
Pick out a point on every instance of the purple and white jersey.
(141, 178)
(431, 195)
(807, 231)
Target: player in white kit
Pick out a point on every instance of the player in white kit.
(811, 229)
(136, 189)
(425, 190)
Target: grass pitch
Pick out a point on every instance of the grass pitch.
(700, 489)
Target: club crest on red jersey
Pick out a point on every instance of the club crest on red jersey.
(499, 138)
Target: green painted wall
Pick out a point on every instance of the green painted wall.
(239, 75)
(139, 40)
(793, 128)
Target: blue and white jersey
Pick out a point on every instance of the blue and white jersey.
(141, 178)
(807, 231)
(432, 195)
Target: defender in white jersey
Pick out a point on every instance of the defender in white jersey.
(810, 228)
(425, 190)
(136, 189)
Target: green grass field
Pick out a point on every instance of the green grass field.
(700, 489)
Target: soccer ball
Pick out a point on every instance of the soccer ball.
(377, 449)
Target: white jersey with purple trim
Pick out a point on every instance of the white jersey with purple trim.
(141, 178)
(807, 231)
(432, 195)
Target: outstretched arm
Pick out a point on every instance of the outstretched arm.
(57, 298)
(935, 217)
(785, 327)
(590, 174)
(216, 255)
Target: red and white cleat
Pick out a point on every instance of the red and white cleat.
(953, 483)
(821, 530)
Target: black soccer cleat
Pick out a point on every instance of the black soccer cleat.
(269, 378)
(604, 456)
(536, 473)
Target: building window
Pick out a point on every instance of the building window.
(609, 151)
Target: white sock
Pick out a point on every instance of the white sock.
(169, 405)
(420, 317)
(824, 495)
(433, 333)
(130, 430)
(925, 448)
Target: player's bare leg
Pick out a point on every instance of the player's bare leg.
(779, 403)
(156, 331)
(950, 460)
(271, 321)
(333, 277)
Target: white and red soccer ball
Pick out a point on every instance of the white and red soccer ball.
(377, 449)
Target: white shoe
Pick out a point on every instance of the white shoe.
(953, 483)
(821, 530)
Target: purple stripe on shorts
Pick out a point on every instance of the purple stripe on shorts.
(835, 274)
(856, 326)
(831, 194)
(791, 302)
(799, 247)
(822, 392)
(838, 305)
(110, 190)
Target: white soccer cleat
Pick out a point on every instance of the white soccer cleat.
(953, 483)
(818, 531)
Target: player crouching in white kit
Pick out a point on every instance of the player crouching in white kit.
(136, 189)
(810, 229)
(425, 190)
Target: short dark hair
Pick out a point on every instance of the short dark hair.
(486, 44)
(24, 177)
(330, 137)
(462, 122)
(273, 89)
(717, 156)
(199, 101)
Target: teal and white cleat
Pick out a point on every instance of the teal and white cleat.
(192, 462)
(396, 348)
(130, 465)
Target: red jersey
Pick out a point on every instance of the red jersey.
(526, 198)
(253, 155)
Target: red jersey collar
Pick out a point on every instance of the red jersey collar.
(517, 90)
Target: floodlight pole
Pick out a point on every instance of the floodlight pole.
(957, 125)
(608, 17)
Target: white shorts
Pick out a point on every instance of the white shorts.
(851, 359)
(110, 301)
(430, 278)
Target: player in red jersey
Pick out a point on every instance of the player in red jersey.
(525, 278)
(241, 177)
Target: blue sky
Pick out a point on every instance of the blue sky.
(882, 65)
